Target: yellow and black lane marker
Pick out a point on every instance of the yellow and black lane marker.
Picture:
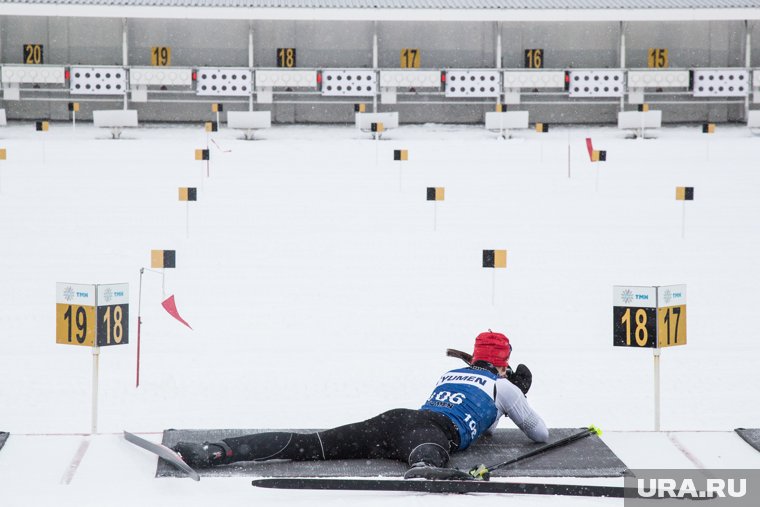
(163, 259)
(684, 193)
(188, 194)
(494, 258)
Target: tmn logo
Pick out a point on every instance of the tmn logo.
(670, 488)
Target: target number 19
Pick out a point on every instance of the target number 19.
(161, 56)
(75, 325)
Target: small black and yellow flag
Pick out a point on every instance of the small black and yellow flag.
(202, 155)
(708, 128)
(598, 156)
(188, 194)
(42, 126)
(163, 259)
(212, 126)
(73, 107)
(501, 108)
(684, 193)
(643, 108)
(217, 108)
(3, 154)
(377, 127)
(435, 193)
(400, 154)
(494, 258)
(542, 127)
(360, 108)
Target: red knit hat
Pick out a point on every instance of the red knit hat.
(493, 348)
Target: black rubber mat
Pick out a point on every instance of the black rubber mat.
(588, 457)
(3, 438)
(751, 436)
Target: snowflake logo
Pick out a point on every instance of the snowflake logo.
(627, 295)
(107, 294)
(667, 295)
(68, 293)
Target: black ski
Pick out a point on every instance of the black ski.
(163, 452)
(440, 486)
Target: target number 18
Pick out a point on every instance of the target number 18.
(635, 327)
(113, 325)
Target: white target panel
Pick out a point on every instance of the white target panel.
(596, 83)
(224, 81)
(286, 78)
(410, 78)
(514, 79)
(658, 78)
(98, 81)
(473, 83)
(721, 83)
(348, 82)
(39, 74)
(158, 76)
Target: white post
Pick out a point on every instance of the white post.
(124, 55)
(747, 61)
(622, 59)
(187, 219)
(374, 62)
(435, 216)
(498, 54)
(597, 177)
(656, 352)
(493, 288)
(683, 219)
(73, 120)
(202, 175)
(250, 61)
(95, 356)
(163, 282)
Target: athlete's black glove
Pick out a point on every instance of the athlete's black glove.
(521, 377)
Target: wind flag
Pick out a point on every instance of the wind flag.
(171, 307)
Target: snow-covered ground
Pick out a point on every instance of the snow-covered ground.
(319, 292)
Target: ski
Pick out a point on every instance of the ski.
(426, 486)
(163, 452)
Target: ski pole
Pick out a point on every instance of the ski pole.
(482, 472)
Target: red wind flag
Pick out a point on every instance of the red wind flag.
(171, 307)
(590, 148)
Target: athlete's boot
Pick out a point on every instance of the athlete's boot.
(422, 470)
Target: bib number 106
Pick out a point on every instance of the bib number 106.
(454, 398)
